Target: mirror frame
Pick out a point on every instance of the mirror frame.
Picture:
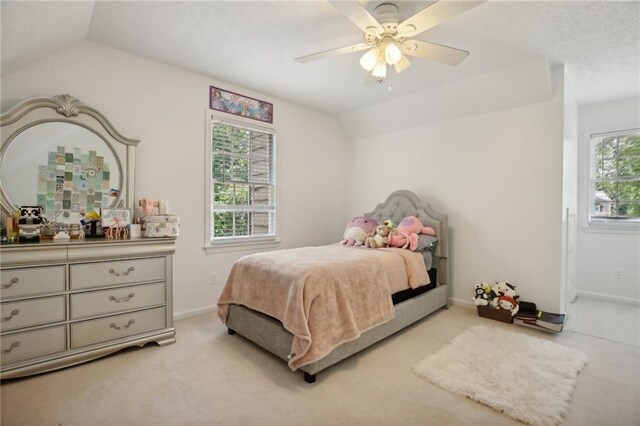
(67, 109)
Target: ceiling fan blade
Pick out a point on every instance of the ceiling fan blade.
(358, 15)
(434, 14)
(332, 52)
(433, 52)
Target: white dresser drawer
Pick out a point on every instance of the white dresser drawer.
(89, 275)
(117, 326)
(27, 313)
(32, 281)
(29, 344)
(84, 305)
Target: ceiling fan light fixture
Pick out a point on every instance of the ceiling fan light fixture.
(368, 60)
(392, 53)
(402, 64)
(386, 37)
(380, 70)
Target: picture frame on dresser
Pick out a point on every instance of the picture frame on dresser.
(65, 302)
(108, 216)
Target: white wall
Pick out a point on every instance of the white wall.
(164, 106)
(602, 251)
(509, 87)
(499, 177)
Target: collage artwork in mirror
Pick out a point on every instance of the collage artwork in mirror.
(63, 167)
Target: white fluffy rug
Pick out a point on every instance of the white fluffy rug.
(529, 379)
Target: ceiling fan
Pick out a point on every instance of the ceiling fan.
(388, 40)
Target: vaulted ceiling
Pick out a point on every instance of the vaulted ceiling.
(253, 44)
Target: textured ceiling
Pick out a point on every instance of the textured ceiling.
(253, 44)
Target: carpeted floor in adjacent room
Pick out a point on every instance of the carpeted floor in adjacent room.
(209, 377)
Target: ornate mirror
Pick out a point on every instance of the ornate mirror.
(64, 156)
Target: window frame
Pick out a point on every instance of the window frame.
(604, 224)
(242, 242)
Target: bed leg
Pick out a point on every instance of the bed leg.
(309, 378)
(230, 331)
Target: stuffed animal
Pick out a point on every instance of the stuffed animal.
(406, 234)
(379, 238)
(481, 298)
(508, 303)
(389, 224)
(30, 215)
(148, 205)
(356, 231)
(502, 289)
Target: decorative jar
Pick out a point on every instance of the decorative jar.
(75, 230)
(48, 230)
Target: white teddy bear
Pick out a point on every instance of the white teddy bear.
(502, 289)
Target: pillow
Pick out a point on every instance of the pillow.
(427, 242)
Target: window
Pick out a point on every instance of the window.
(615, 178)
(241, 187)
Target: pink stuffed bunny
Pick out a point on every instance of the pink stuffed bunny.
(406, 235)
(147, 205)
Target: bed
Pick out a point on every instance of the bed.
(407, 305)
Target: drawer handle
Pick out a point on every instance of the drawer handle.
(113, 325)
(11, 315)
(122, 299)
(124, 274)
(14, 280)
(13, 345)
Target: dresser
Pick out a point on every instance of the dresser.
(64, 303)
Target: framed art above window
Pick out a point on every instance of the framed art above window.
(244, 106)
(614, 190)
(241, 182)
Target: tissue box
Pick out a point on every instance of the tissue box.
(161, 226)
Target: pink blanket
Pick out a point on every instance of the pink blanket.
(324, 296)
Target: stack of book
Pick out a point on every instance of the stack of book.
(540, 320)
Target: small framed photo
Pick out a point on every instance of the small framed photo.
(111, 217)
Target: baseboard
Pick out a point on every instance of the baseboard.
(462, 303)
(194, 312)
(588, 294)
(609, 298)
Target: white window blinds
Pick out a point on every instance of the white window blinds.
(615, 177)
(242, 182)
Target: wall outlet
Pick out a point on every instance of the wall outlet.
(213, 278)
(619, 273)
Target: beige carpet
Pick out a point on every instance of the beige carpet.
(619, 322)
(211, 378)
(528, 378)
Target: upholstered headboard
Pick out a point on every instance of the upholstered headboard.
(405, 203)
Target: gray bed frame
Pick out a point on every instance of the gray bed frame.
(269, 333)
